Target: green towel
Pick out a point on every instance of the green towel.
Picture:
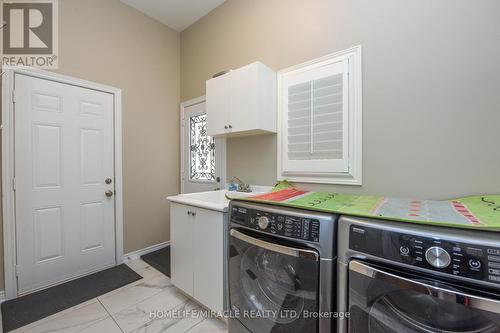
(475, 212)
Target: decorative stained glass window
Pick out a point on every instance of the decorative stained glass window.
(202, 154)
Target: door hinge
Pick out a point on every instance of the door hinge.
(13, 96)
(13, 184)
(17, 270)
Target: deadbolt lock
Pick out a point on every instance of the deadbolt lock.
(108, 181)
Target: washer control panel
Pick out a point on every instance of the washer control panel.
(277, 224)
(438, 257)
(474, 261)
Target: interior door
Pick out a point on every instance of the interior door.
(64, 165)
(204, 156)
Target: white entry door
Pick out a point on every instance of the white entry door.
(204, 157)
(64, 165)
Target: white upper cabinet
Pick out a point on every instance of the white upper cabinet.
(242, 102)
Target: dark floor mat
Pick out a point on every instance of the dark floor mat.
(159, 259)
(30, 308)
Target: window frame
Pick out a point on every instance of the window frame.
(220, 152)
(190, 155)
(353, 175)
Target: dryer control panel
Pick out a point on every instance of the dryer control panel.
(473, 261)
(278, 224)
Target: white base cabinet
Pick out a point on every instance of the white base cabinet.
(197, 253)
(181, 248)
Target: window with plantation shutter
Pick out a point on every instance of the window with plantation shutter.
(320, 120)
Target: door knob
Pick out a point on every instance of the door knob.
(109, 193)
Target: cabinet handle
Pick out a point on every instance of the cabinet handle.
(193, 213)
(225, 127)
(230, 126)
(189, 213)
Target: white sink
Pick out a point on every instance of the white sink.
(217, 197)
(214, 200)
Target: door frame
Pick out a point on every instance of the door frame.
(220, 154)
(8, 167)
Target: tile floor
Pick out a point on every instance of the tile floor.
(128, 309)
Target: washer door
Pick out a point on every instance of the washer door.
(272, 286)
(381, 302)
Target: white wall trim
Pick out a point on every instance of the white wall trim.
(8, 164)
(220, 152)
(9, 240)
(355, 174)
(2, 296)
(137, 254)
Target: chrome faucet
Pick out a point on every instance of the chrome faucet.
(242, 187)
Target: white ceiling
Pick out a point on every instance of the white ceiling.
(177, 14)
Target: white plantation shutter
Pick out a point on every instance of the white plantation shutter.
(316, 112)
(320, 120)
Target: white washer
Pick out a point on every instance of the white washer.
(403, 277)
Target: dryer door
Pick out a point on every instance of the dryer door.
(382, 302)
(272, 287)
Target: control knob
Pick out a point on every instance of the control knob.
(263, 222)
(437, 257)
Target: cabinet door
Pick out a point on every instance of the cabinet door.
(209, 258)
(217, 97)
(243, 99)
(181, 247)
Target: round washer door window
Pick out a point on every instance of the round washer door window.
(274, 287)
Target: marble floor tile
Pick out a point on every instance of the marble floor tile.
(139, 314)
(107, 325)
(186, 319)
(210, 325)
(150, 272)
(131, 295)
(145, 271)
(138, 265)
(69, 322)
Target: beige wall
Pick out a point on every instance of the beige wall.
(111, 43)
(431, 78)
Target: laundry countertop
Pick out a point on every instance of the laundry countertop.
(475, 212)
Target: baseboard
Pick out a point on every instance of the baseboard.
(2, 296)
(137, 254)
